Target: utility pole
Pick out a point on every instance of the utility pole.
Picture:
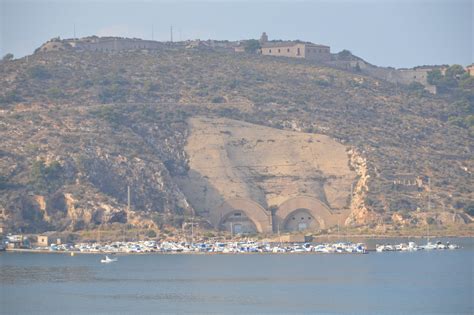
(74, 30)
(429, 193)
(429, 209)
(128, 198)
(152, 32)
(279, 236)
(171, 33)
(352, 193)
(338, 232)
(192, 231)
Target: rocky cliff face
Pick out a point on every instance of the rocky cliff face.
(78, 128)
(95, 163)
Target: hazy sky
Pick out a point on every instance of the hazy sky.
(401, 33)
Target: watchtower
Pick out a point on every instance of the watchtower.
(263, 38)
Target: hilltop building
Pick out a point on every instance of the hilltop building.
(470, 70)
(294, 49)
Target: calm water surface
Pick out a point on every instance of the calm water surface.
(377, 283)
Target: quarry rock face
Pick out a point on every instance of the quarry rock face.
(233, 161)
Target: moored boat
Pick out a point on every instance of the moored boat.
(108, 260)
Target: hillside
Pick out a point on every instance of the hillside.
(77, 128)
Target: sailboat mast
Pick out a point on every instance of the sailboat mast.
(429, 210)
(192, 231)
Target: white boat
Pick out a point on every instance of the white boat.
(108, 260)
(440, 245)
(412, 246)
(453, 246)
(429, 246)
(360, 248)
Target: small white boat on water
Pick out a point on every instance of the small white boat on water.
(108, 260)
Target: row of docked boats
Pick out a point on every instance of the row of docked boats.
(218, 247)
(412, 246)
(241, 247)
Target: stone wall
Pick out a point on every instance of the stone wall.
(115, 44)
(317, 52)
(398, 76)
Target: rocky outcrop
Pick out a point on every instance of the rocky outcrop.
(360, 214)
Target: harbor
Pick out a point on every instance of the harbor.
(229, 247)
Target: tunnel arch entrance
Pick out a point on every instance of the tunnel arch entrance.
(243, 214)
(238, 222)
(301, 220)
(315, 214)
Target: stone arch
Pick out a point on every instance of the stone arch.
(238, 222)
(301, 219)
(252, 210)
(317, 209)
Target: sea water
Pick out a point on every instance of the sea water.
(423, 282)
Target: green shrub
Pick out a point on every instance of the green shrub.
(55, 93)
(469, 209)
(252, 45)
(3, 182)
(416, 86)
(39, 72)
(150, 233)
(8, 57)
(113, 93)
(109, 114)
(218, 99)
(46, 178)
(11, 97)
(321, 82)
(344, 55)
(430, 221)
(209, 235)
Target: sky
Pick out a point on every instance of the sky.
(397, 33)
